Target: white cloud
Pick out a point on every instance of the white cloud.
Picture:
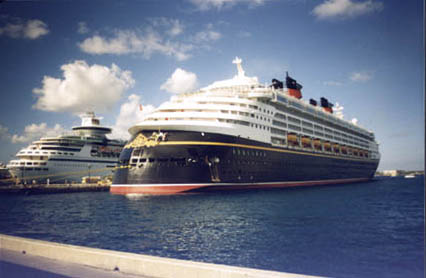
(361, 76)
(82, 28)
(83, 88)
(332, 83)
(206, 36)
(204, 5)
(128, 42)
(33, 132)
(173, 27)
(130, 114)
(31, 29)
(4, 133)
(338, 110)
(176, 28)
(345, 8)
(161, 35)
(181, 81)
(244, 34)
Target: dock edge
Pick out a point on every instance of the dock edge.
(129, 263)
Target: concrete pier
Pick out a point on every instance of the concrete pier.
(53, 188)
(77, 261)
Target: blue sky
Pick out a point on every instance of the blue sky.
(60, 58)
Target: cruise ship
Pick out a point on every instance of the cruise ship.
(241, 134)
(67, 158)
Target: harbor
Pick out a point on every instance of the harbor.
(351, 230)
(212, 138)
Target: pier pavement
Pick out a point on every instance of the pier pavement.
(22, 257)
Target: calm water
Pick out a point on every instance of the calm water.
(373, 229)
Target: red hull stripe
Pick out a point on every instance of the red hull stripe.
(180, 188)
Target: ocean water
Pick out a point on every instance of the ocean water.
(373, 229)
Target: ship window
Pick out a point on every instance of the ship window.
(142, 160)
(151, 159)
(294, 120)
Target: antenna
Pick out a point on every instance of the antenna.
(238, 61)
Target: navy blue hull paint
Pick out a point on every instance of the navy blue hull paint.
(233, 160)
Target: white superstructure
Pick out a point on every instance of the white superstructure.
(243, 107)
(65, 158)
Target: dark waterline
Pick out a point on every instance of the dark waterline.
(373, 229)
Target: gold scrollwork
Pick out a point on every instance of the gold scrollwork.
(142, 141)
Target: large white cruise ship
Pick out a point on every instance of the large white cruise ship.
(240, 134)
(67, 158)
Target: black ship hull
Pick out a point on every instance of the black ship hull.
(192, 161)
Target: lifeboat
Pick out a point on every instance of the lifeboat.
(293, 140)
(327, 146)
(306, 141)
(336, 148)
(317, 144)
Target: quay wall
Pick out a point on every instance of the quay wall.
(132, 264)
(52, 188)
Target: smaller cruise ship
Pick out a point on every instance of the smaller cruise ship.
(67, 158)
(5, 177)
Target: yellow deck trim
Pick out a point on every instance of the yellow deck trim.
(205, 143)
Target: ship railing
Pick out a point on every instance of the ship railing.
(305, 107)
